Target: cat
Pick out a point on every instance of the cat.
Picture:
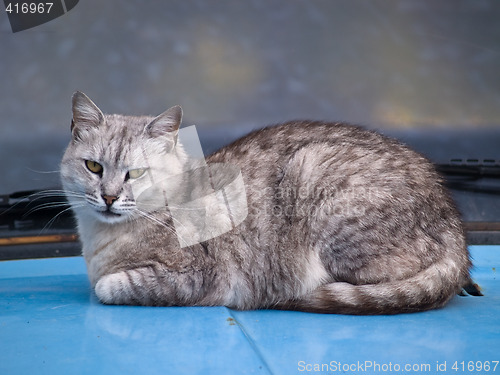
(339, 219)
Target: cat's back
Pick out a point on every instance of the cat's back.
(287, 137)
(328, 147)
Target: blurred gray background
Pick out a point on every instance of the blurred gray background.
(425, 71)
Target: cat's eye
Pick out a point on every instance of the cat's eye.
(135, 173)
(93, 166)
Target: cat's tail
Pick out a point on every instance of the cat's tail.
(431, 288)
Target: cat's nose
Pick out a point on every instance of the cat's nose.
(109, 199)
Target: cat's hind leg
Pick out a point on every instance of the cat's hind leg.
(428, 289)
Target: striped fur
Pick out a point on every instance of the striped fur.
(341, 220)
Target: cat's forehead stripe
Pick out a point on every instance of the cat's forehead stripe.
(120, 151)
(123, 134)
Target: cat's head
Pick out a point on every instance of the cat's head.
(110, 159)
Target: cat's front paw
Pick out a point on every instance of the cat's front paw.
(111, 289)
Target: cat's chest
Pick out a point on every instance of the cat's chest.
(100, 243)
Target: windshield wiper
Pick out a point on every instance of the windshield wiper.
(36, 224)
(34, 209)
(473, 175)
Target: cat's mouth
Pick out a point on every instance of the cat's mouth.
(109, 216)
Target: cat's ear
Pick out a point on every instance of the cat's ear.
(85, 114)
(167, 123)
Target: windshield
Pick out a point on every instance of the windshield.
(424, 72)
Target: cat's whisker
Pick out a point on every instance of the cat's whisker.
(43, 172)
(159, 222)
(45, 206)
(30, 199)
(152, 205)
(33, 198)
(51, 221)
(179, 237)
(169, 206)
(155, 220)
(54, 194)
(14, 206)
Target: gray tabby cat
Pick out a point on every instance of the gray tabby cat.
(340, 220)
